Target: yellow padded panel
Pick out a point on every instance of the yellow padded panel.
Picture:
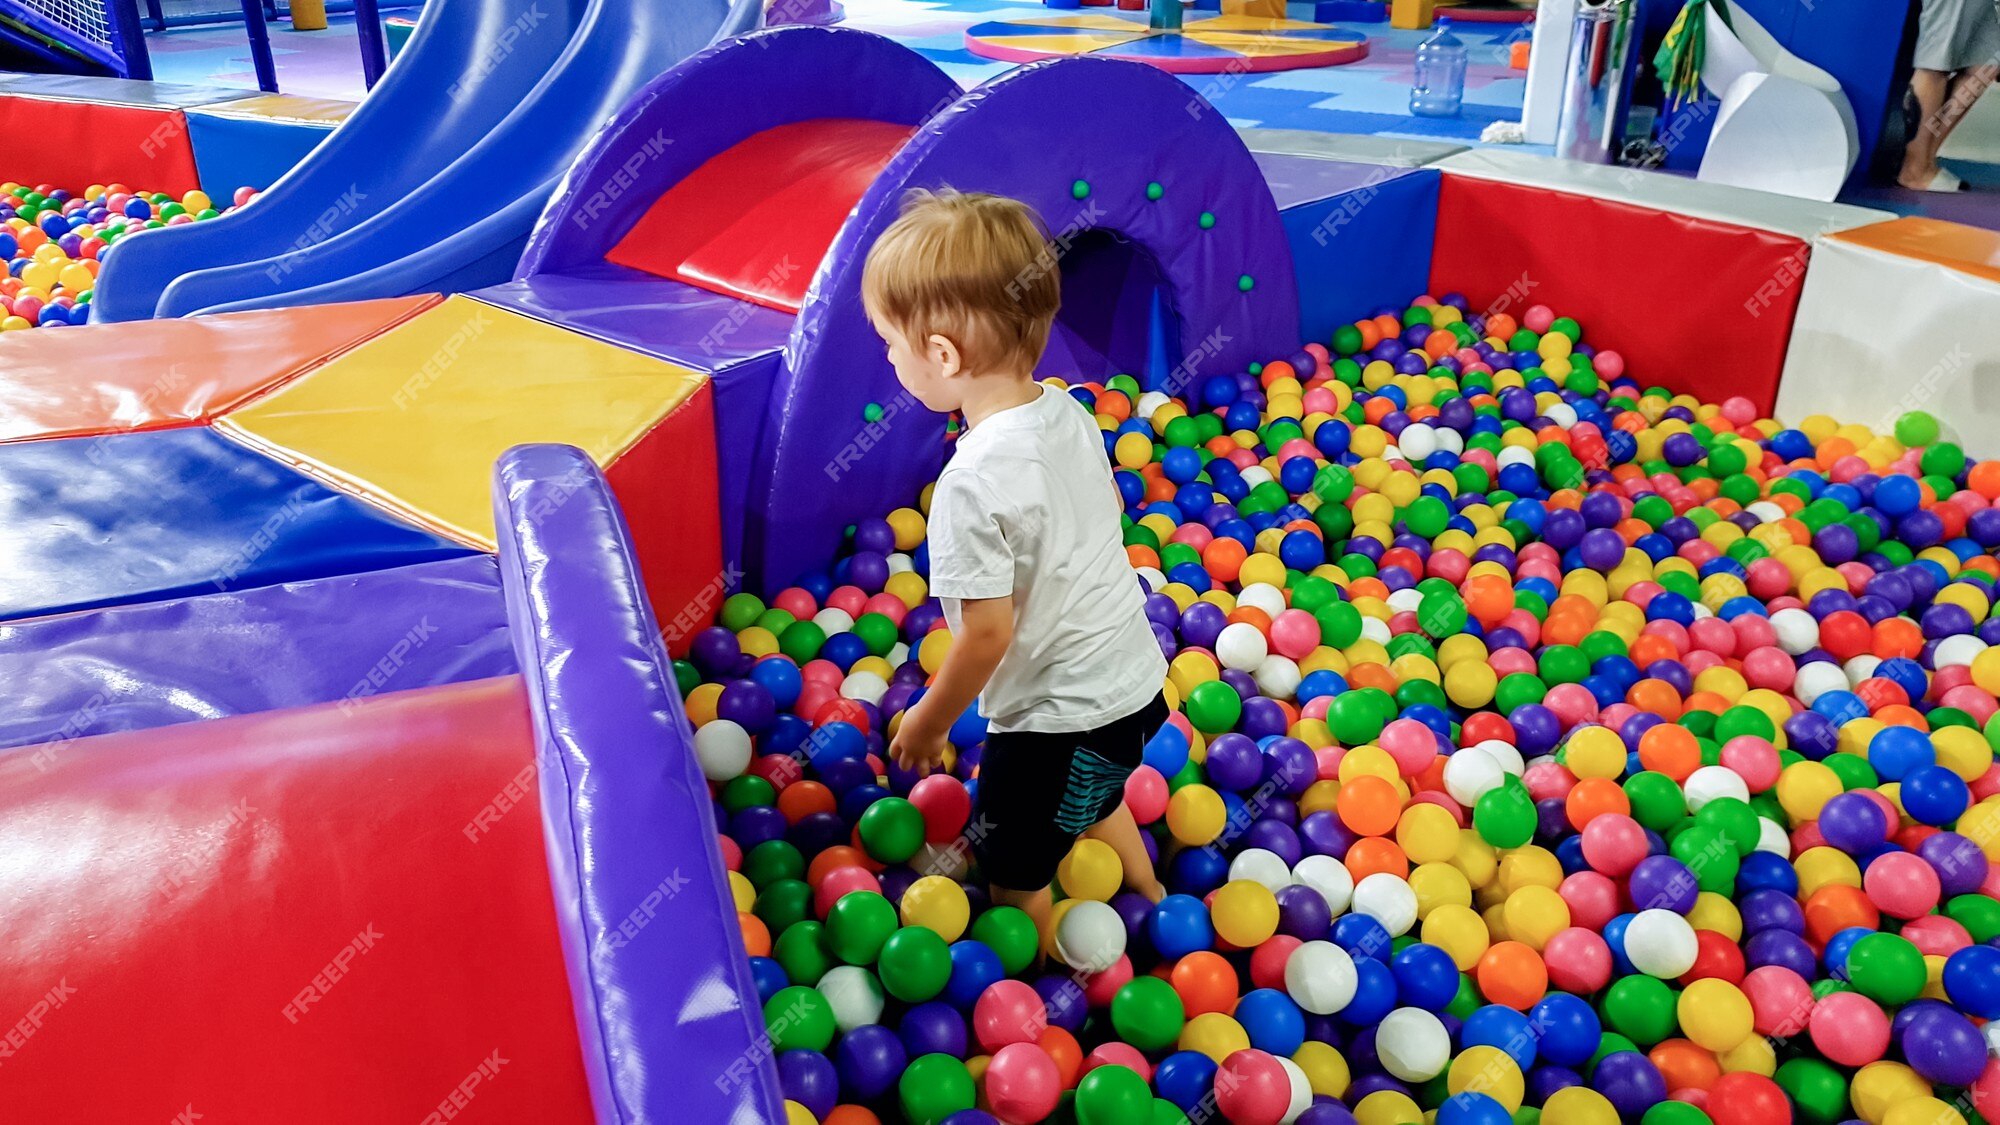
(414, 419)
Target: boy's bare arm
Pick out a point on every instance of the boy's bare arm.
(988, 628)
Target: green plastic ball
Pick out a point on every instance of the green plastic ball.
(1640, 1008)
(1148, 1013)
(1214, 707)
(915, 964)
(892, 830)
(933, 1088)
(801, 952)
(858, 926)
(1886, 968)
(1112, 1095)
(1917, 428)
(798, 1018)
(1010, 933)
(1504, 816)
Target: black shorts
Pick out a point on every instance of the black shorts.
(1039, 791)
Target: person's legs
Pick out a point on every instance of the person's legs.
(1122, 832)
(1920, 155)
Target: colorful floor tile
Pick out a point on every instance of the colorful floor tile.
(1206, 44)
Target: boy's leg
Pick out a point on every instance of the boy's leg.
(1122, 832)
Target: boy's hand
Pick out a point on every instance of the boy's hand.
(917, 748)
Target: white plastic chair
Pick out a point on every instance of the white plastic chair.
(1784, 124)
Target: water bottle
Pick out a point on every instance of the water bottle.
(1440, 82)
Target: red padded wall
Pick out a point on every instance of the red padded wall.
(666, 484)
(755, 220)
(1694, 305)
(172, 894)
(76, 144)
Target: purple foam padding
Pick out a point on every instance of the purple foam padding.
(1296, 179)
(1032, 134)
(673, 320)
(667, 1014)
(290, 645)
(710, 102)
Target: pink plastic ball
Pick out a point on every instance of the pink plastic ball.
(1572, 703)
(1592, 899)
(1739, 410)
(1510, 661)
(848, 600)
(1009, 1011)
(732, 852)
(1613, 844)
(1754, 759)
(1769, 668)
(1411, 743)
(1985, 1090)
(1578, 961)
(1780, 1000)
(1849, 1029)
(1713, 634)
(822, 671)
(1118, 1054)
(1267, 961)
(1023, 1084)
(1146, 794)
(1547, 779)
(1538, 318)
(1901, 885)
(1754, 630)
(1608, 364)
(1294, 634)
(841, 881)
(1935, 935)
(1099, 988)
(888, 605)
(1252, 1089)
(1193, 534)
(796, 602)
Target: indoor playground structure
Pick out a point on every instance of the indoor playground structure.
(448, 680)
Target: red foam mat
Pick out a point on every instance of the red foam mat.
(76, 144)
(319, 916)
(1694, 305)
(667, 486)
(755, 219)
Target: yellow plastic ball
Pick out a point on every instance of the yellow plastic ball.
(932, 650)
(1215, 1035)
(1595, 752)
(1459, 932)
(1091, 870)
(907, 587)
(796, 1114)
(1578, 1105)
(1490, 1071)
(1805, 787)
(1245, 913)
(1534, 915)
(1195, 815)
(938, 903)
(1754, 1054)
(701, 703)
(1715, 1014)
(1825, 867)
(1389, 1107)
(1438, 885)
(1325, 1069)
(1427, 834)
(742, 891)
(1880, 1086)
(1923, 1111)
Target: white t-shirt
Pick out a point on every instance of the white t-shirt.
(1027, 507)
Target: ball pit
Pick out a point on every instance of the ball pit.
(53, 239)
(1544, 748)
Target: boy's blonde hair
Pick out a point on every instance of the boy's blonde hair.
(976, 269)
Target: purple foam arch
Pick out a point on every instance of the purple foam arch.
(667, 1014)
(1032, 134)
(711, 101)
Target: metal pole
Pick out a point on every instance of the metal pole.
(260, 45)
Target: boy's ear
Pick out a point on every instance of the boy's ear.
(944, 352)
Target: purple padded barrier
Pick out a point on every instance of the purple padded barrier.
(656, 315)
(290, 645)
(710, 102)
(1032, 134)
(668, 1015)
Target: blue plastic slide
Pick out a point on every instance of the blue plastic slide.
(434, 183)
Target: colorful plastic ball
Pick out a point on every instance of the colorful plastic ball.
(915, 964)
(933, 1088)
(1010, 1011)
(1022, 1084)
(1715, 1014)
(1252, 1089)
(1245, 913)
(1412, 1044)
(936, 903)
(1886, 968)
(1660, 943)
(799, 1019)
(1849, 1029)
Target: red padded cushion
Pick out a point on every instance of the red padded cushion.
(755, 220)
(1695, 305)
(320, 916)
(75, 144)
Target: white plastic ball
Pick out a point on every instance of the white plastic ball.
(854, 995)
(1417, 442)
(1302, 1091)
(1470, 774)
(900, 563)
(899, 655)
(1412, 1044)
(1330, 878)
(1256, 475)
(1660, 943)
(1260, 865)
(834, 620)
(1562, 414)
(1375, 629)
(1320, 977)
(1405, 600)
(1774, 839)
(1797, 630)
(1860, 668)
(1765, 511)
(1241, 646)
(723, 748)
(1387, 899)
(1263, 596)
(1451, 441)
(1091, 937)
(1711, 782)
(1513, 455)
(865, 686)
(1504, 753)
(1277, 677)
(1957, 651)
(1154, 578)
(1816, 679)
(1150, 402)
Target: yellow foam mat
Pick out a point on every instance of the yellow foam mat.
(1060, 44)
(284, 107)
(414, 419)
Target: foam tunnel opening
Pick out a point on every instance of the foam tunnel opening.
(1117, 315)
